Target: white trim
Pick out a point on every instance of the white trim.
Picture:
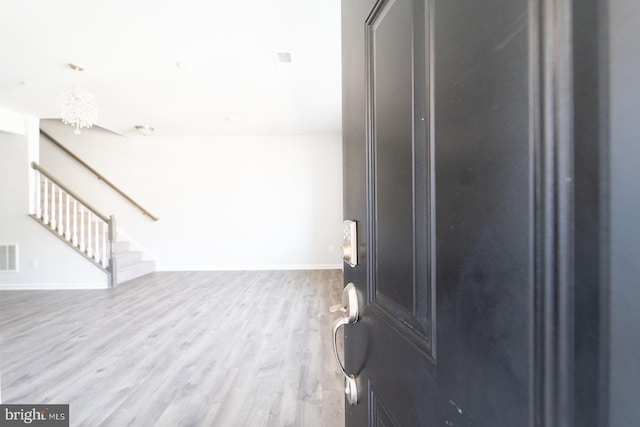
(33, 154)
(51, 286)
(258, 267)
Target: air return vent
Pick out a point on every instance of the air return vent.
(283, 57)
(9, 258)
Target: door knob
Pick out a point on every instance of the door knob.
(337, 307)
(349, 307)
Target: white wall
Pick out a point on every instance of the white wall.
(224, 202)
(45, 262)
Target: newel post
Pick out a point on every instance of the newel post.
(112, 259)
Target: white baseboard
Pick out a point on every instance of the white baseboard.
(256, 267)
(51, 286)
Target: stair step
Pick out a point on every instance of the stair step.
(134, 271)
(120, 246)
(126, 258)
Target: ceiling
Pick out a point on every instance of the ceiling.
(229, 80)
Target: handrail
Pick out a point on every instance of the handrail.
(99, 176)
(51, 178)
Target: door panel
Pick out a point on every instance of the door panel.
(439, 134)
(399, 283)
(484, 208)
(391, 92)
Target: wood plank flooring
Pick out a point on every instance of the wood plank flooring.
(179, 349)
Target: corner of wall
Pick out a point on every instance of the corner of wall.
(45, 262)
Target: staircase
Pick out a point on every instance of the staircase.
(86, 230)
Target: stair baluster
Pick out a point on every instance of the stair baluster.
(74, 239)
(96, 253)
(60, 217)
(53, 207)
(105, 236)
(67, 217)
(45, 198)
(83, 246)
(89, 223)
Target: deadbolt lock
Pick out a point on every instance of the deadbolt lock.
(350, 242)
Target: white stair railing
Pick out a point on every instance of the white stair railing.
(73, 219)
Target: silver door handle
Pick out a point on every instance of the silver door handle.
(337, 307)
(349, 307)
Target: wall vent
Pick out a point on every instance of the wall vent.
(283, 57)
(9, 258)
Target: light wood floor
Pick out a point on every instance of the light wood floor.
(179, 349)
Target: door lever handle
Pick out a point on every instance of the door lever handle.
(349, 307)
(337, 307)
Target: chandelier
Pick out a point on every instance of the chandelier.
(77, 107)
